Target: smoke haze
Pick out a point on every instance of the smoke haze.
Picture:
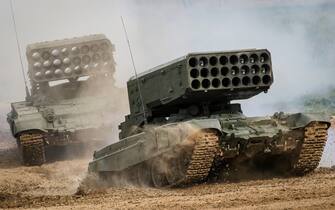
(300, 35)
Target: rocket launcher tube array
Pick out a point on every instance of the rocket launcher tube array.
(70, 58)
(203, 77)
(240, 70)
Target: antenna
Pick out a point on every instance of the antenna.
(133, 62)
(19, 49)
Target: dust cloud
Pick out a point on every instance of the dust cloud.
(299, 35)
(66, 166)
(140, 176)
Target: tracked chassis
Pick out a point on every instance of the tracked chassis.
(183, 128)
(192, 160)
(68, 101)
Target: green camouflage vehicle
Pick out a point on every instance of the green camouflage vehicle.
(183, 128)
(70, 80)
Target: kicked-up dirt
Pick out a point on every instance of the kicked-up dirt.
(315, 191)
(54, 184)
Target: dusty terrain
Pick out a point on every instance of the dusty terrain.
(53, 186)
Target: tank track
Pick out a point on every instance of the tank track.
(32, 149)
(206, 145)
(315, 137)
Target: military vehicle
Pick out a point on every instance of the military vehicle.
(183, 128)
(70, 80)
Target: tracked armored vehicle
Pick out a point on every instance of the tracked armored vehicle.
(183, 128)
(67, 103)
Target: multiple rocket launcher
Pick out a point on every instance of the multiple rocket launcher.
(194, 78)
(70, 58)
(207, 81)
(229, 70)
(202, 78)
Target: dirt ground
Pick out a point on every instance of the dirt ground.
(52, 186)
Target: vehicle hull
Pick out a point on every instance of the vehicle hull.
(234, 139)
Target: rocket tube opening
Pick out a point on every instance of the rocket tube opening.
(77, 69)
(76, 60)
(37, 65)
(57, 62)
(64, 51)
(86, 59)
(225, 82)
(253, 58)
(75, 50)
(84, 49)
(265, 69)
(216, 83)
(68, 71)
(264, 58)
(36, 56)
(235, 70)
(204, 72)
(214, 72)
(233, 59)
(256, 80)
(203, 61)
(213, 60)
(195, 84)
(243, 59)
(205, 83)
(236, 81)
(58, 72)
(48, 73)
(94, 47)
(224, 71)
(46, 55)
(266, 79)
(38, 75)
(245, 70)
(194, 73)
(193, 62)
(254, 69)
(246, 81)
(96, 58)
(223, 60)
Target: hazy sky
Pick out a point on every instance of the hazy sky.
(296, 34)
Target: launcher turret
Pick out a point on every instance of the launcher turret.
(69, 59)
(200, 81)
